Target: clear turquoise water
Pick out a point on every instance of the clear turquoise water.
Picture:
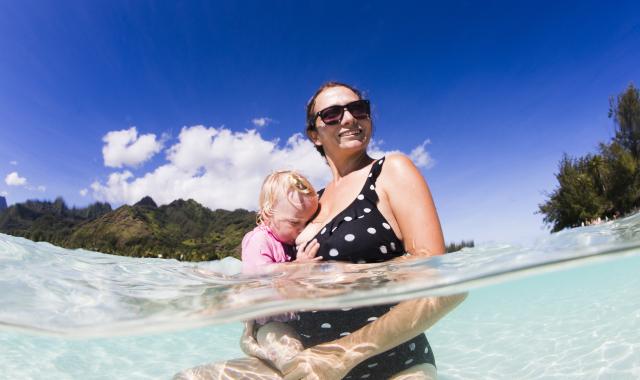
(568, 307)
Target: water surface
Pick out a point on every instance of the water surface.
(567, 307)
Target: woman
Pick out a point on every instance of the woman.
(371, 211)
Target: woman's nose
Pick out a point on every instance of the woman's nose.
(347, 118)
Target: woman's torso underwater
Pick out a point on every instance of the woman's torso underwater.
(361, 234)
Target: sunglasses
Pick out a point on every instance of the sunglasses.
(359, 109)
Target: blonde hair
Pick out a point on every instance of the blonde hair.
(281, 182)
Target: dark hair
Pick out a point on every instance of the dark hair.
(311, 119)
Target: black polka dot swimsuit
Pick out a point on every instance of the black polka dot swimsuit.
(360, 234)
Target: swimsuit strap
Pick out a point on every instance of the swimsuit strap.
(369, 189)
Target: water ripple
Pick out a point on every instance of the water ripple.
(47, 289)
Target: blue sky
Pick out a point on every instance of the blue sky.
(494, 93)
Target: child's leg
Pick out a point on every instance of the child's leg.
(280, 341)
(417, 372)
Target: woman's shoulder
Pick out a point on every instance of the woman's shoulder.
(398, 165)
(398, 174)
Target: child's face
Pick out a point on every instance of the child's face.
(290, 215)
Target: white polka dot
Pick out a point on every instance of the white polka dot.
(426, 350)
(349, 237)
(334, 228)
(380, 162)
(393, 246)
(392, 353)
(383, 249)
(333, 252)
(314, 311)
(326, 325)
(348, 218)
(345, 333)
(323, 230)
(372, 365)
(365, 376)
(372, 187)
(360, 197)
(370, 174)
(306, 336)
(385, 225)
(371, 319)
(367, 210)
(371, 230)
(361, 216)
(412, 347)
(346, 308)
(408, 362)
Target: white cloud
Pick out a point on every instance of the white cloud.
(84, 192)
(421, 157)
(217, 167)
(4, 194)
(14, 163)
(375, 149)
(261, 121)
(14, 179)
(126, 148)
(40, 188)
(418, 155)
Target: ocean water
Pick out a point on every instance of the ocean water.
(565, 307)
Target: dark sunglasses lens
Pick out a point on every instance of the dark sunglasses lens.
(332, 115)
(359, 109)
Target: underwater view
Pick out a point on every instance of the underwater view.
(567, 307)
(173, 172)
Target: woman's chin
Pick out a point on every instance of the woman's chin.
(353, 145)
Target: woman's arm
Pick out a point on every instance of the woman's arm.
(406, 195)
(409, 199)
(333, 360)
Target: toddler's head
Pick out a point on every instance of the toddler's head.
(287, 202)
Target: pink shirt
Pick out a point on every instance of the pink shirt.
(260, 247)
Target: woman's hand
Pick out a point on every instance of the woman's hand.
(307, 252)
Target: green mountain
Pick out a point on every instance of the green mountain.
(47, 221)
(184, 230)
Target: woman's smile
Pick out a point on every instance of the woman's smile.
(351, 132)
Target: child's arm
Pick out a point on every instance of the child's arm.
(256, 253)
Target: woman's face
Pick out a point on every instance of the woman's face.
(350, 134)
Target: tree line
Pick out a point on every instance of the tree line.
(605, 184)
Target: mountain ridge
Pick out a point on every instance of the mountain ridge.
(183, 229)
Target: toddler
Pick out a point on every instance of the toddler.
(287, 202)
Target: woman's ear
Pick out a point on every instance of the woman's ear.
(312, 134)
